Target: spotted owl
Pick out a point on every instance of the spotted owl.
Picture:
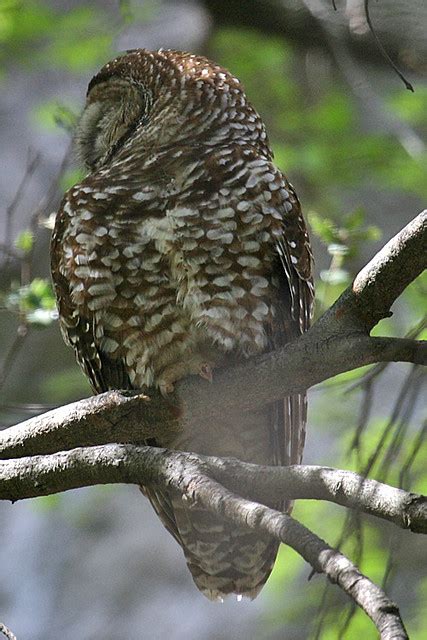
(182, 251)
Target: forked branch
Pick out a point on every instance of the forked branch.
(339, 341)
(207, 481)
(31, 466)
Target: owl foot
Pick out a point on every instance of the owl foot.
(166, 388)
(205, 371)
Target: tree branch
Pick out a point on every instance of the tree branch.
(195, 478)
(337, 567)
(374, 290)
(337, 342)
(109, 417)
(35, 476)
(7, 632)
(116, 417)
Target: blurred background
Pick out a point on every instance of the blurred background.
(97, 563)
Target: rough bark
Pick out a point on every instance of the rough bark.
(77, 445)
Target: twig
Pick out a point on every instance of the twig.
(406, 387)
(32, 163)
(384, 53)
(14, 349)
(364, 414)
(7, 632)
(412, 455)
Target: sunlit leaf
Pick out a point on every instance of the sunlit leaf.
(53, 114)
(25, 241)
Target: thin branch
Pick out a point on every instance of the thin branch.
(34, 476)
(340, 570)
(384, 53)
(32, 164)
(7, 632)
(13, 351)
(366, 94)
(191, 476)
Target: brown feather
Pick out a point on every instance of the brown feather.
(183, 250)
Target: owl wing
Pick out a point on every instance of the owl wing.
(78, 330)
(294, 312)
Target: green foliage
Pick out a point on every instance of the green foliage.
(47, 503)
(416, 296)
(34, 303)
(25, 241)
(346, 237)
(70, 178)
(343, 240)
(410, 107)
(317, 138)
(77, 40)
(53, 114)
(60, 386)
(136, 11)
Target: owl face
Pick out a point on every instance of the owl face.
(114, 108)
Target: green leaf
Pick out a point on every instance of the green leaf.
(70, 178)
(412, 107)
(25, 241)
(355, 219)
(53, 114)
(35, 300)
(323, 228)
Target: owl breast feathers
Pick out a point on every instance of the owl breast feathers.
(183, 250)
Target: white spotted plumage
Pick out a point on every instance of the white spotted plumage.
(184, 249)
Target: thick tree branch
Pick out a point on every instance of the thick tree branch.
(117, 417)
(109, 417)
(337, 342)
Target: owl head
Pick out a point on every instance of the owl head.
(158, 98)
(114, 107)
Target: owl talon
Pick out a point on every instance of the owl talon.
(205, 372)
(166, 388)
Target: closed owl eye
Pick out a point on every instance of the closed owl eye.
(114, 108)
